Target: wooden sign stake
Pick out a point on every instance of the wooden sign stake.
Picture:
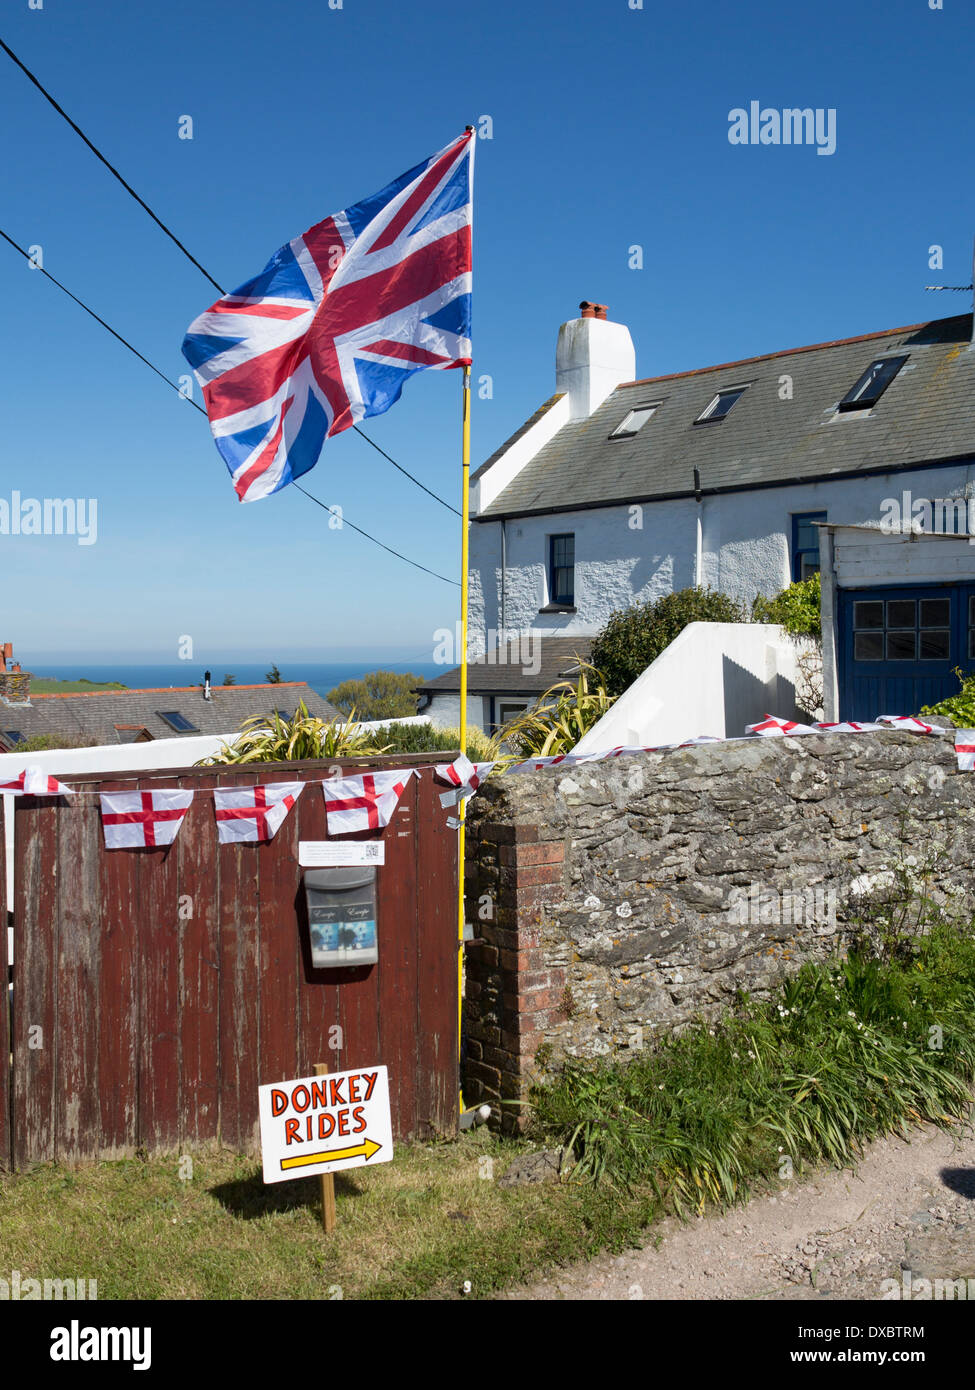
(327, 1179)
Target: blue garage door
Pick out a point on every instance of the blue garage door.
(898, 647)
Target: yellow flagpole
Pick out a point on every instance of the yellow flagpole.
(465, 507)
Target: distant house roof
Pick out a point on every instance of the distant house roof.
(769, 437)
(120, 716)
(557, 659)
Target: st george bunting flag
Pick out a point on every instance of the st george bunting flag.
(329, 331)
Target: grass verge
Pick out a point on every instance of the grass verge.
(415, 1228)
(844, 1052)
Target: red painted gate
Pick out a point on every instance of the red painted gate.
(155, 989)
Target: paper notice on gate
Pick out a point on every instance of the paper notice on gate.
(343, 854)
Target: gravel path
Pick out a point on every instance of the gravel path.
(907, 1206)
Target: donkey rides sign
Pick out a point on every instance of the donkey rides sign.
(321, 1124)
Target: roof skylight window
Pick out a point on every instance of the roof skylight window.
(633, 421)
(177, 721)
(872, 384)
(721, 405)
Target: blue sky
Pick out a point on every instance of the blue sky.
(610, 129)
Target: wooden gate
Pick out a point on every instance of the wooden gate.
(155, 989)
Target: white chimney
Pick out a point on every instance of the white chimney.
(592, 358)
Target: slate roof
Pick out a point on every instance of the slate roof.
(557, 661)
(926, 414)
(95, 715)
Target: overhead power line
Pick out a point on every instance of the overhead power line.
(80, 302)
(175, 385)
(434, 495)
(175, 239)
(346, 522)
(110, 167)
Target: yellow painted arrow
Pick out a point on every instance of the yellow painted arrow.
(366, 1149)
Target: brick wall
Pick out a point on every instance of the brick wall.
(513, 993)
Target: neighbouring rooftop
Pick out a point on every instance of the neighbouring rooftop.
(128, 716)
(509, 668)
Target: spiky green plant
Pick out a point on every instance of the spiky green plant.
(268, 738)
(429, 738)
(557, 722)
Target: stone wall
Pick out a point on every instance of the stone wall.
(626, 897)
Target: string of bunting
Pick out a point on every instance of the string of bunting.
(366, 801)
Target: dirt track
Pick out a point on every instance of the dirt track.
(908, 1206)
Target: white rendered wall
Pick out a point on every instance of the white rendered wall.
(714, 678)
(444, 711)
(829, 614)
(614, 565)
(499, 475)
(746, 541)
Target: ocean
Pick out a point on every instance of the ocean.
(322, 676)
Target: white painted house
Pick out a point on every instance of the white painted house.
(619, 490)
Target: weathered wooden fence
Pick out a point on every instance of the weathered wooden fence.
(155, 989)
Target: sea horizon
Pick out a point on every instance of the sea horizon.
(321, 676)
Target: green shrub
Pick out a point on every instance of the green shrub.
(635, 636)
(378, 695)
(39, 743)
(796, 608)
(426, 738)
(960, 708)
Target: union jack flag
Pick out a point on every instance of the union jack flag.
(337, 321)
